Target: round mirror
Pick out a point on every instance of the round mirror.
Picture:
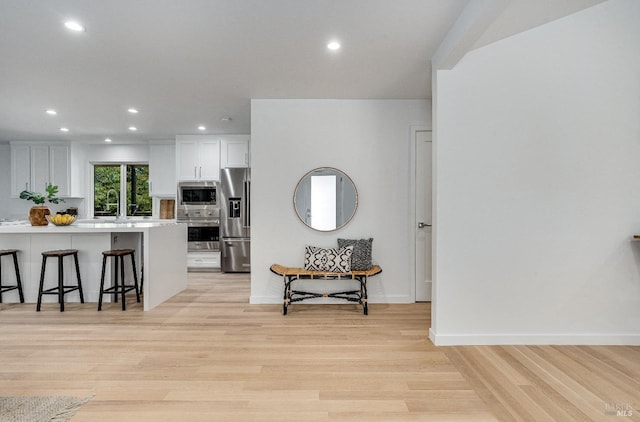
(325, 199)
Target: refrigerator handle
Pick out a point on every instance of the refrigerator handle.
(247, 193)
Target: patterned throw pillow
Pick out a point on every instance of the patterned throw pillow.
(328, 259)
(361, 258)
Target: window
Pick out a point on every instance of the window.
(113, 182)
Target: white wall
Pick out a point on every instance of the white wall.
(537, 142)
(368, 140)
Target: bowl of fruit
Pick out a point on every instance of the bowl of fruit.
(61, 219)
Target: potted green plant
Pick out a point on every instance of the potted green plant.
(38, 213)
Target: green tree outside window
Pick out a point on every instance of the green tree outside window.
(108, 194)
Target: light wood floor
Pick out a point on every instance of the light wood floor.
(206, 355)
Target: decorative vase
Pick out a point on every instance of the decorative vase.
(37, 215)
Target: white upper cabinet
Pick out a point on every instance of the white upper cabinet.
(209, 158)
(40, 167)
(20, 169)
(162, 169)
(197, 158)
(187, 160)
(60, 168)
(234, 151)
(34, 166)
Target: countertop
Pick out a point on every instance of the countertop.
(86, 226)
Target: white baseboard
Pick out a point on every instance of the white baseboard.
(265, 300)
(534, 339)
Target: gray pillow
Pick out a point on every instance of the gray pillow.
(361, 257)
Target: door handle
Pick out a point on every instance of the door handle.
(422, 225)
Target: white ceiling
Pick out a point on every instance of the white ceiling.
(189, 62)
(185, 63)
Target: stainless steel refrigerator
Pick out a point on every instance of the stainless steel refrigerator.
(235, 225)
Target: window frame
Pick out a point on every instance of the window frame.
(123, 188)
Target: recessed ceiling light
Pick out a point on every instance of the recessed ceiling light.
(74, 26)
(333, 46)
(64, 129)
(107, 139)
(133, 110)
(51, 112)
(202, 127)
(133, 128)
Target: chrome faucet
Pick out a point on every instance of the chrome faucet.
(117, 203)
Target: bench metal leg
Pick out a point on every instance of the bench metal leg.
(291, 295)
(287, 294)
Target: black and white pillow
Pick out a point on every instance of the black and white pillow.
(328, 259)
(361, 259)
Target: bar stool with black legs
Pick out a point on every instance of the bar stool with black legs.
(18, 286)
(119, 287)
(61, 289)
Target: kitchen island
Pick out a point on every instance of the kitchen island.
(161, 256)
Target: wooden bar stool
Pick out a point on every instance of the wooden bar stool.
(18, 285)
(122, 288)
(60, 290)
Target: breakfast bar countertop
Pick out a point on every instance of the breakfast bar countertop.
(161, 249)
(85, 226)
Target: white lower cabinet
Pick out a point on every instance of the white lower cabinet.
(203, 261)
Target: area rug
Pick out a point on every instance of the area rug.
(39, 409)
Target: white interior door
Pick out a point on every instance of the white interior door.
(422, 139)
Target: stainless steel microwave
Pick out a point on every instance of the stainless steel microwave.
(197, 193)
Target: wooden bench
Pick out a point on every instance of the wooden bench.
(291, 274)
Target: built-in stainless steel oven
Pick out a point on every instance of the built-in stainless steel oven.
(203, 235)
(197, 207)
